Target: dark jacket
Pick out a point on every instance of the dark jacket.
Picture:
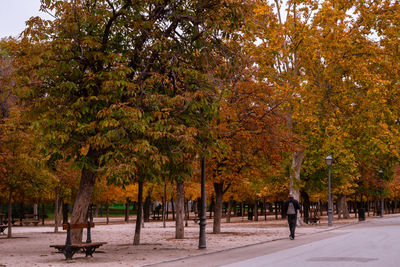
(295, 204)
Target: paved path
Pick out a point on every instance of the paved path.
(372, 243)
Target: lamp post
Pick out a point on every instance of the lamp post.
(381, 183)
(329, 161)
(202, 236)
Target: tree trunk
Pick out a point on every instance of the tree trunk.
(212, 207)
(127, 206)
(21, 213)
(9, 233)
(265, 210)
(60, 214)
(297, 161)
(180, 210)
(107, 212)
(242, 210)
(146, 211)
(345, 209)
(96, 211)
(219, 193)
(136, 240)
(255, 210)
(82, 201)
(306, 205)
(339, 204)
(228, 215)
(142, 216)
(65, 213)
(186, 212)
(164, 205)
(56, 213)
(167, 207)
(36, 211)
(173, 208)
(90, 213)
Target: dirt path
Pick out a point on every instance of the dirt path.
(30, 245)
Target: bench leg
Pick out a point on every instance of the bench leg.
(90, 250)
(69, 252)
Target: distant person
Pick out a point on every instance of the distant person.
(291, 206)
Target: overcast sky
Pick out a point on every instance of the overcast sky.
(14, 13)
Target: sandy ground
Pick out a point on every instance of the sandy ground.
(30, 245)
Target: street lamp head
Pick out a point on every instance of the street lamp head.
(329, 160)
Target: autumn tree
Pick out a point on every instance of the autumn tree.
(100, 78)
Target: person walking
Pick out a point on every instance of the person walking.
(291, 206)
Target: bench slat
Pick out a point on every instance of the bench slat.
(83, 245)
(79, 245)
(77, 226)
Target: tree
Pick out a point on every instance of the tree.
(100, 78)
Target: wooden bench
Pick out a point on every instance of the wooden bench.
(156, 217)
(2, 228)
(314, 220)
(30, 218)
(70, 249)
(13, 221)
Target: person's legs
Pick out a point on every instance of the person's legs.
(292, 225)
(294, 222)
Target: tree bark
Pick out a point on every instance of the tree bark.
(136, 239)
(180, 210)
(297, 161)
(219, 193)
(9, 232)
(56, 213)
(82, 201)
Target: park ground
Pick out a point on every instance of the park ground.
(30, 245)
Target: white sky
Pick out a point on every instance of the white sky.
(14, 13)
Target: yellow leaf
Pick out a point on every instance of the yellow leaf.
(85, 149)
